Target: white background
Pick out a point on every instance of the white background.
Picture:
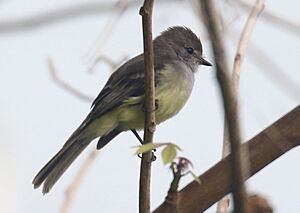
(37, 116)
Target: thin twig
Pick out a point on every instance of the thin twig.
(73, 187)
(240, 53)
(229, 100)
(65, 85)
(267, 146)
(149, 126)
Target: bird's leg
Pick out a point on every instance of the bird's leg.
(137, 136)
(142, 142)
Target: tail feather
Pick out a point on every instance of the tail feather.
(55, 168)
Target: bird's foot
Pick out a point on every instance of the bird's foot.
(153, 157)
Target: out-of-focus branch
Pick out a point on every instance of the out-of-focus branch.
(106, 32)
(259, 204)
(229, 101)
(271, 68)
(149, 125)
(72, 189)
(265, 147)
(275, 19)
(244, 41)
(58, 15)
(241, 50)
(65, 85)
(112, 64)
(275, 74)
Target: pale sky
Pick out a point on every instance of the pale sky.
(37, 116)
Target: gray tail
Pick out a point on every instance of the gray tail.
(55, 168)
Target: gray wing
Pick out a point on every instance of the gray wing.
(126, 82)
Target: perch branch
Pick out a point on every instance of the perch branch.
(149, 126)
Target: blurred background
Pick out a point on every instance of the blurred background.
(55, 57)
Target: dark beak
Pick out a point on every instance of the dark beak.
(205, 62)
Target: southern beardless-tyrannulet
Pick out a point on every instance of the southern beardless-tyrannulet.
(119, 106)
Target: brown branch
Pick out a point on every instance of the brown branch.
(241, 50)
(72, 189)
(259, 204)
(65, 85)
(264, 148)
(229, 101)
(149, 126)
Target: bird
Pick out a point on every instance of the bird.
(119, 105)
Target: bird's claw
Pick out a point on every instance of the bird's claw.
(153, 157)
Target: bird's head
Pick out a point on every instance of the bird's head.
(184, 44)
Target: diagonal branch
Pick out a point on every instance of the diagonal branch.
(229, 100)
(264, 148)
(149, 126)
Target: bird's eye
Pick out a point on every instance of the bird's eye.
(190, 50)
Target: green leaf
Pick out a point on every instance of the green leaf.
(169, 153)
(196, 178)
(148, 147)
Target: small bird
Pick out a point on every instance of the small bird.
(119, 106)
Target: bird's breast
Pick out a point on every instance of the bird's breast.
(173, 90)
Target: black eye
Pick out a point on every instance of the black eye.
(190, 50)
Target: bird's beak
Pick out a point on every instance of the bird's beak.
(205, 62)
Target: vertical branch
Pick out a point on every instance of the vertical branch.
(241, 50)
(149, 127)
(231, 112)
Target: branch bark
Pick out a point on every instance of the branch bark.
(229, 101)
(149, 126)
(264, 148)
(241, 50)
